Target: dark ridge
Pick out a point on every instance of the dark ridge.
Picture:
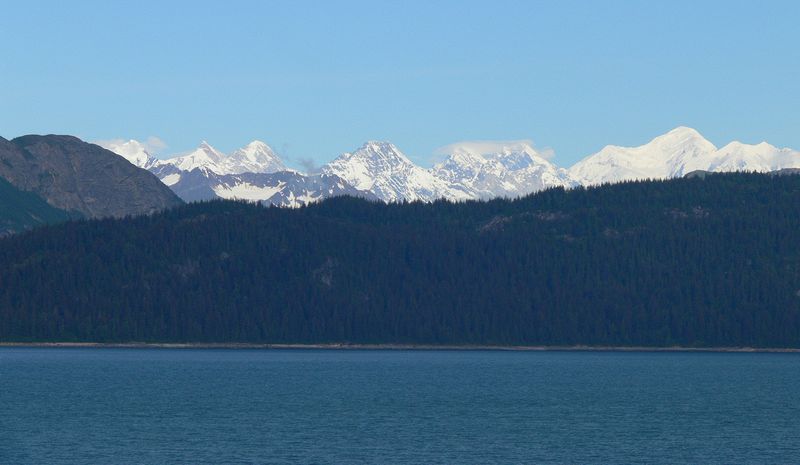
(73, 175)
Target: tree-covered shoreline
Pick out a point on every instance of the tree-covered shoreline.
(688, 262)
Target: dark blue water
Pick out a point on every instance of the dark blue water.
(158, 406)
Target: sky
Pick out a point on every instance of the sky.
(315, 79)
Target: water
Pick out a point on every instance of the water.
(159, 406)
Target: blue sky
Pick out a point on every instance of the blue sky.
(314, 79)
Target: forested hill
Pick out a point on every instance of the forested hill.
(693, 262)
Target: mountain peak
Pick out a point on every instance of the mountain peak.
(378, 146)
(131, 150)
(255, 157)
(203, 156)
(489, 148)
(381, 150)
(684, 130)
(134, 143)
(205, 146)
(737, 144)
(255, 147)
(381, 168)
(682, 135)
(513, 155)
(257, 144)
(212, 153)
(488, 169)
(376, 142)
(668, 155)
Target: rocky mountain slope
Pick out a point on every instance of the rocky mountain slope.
(513, 170)
(20, 210)
(254, 173)
(382, 169)
(283, 188)
(76, 176)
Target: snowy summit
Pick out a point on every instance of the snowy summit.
(471, 170)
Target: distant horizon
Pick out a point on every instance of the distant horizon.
(316, 80)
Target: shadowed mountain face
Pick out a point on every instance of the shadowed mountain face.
(20, 210)
(73, 175)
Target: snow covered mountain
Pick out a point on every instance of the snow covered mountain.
(255, 157)
(283, 188)
(737, 156)
(253, 173)
(666, 156)
(472, 170)
(488, 170)
(677, 153)
(204, 156)
(382, 169)
(132, 150)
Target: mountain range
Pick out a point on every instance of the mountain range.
(50, 178)
(379, 170)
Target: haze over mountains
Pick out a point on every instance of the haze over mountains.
(379, 170)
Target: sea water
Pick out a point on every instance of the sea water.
(231, 406)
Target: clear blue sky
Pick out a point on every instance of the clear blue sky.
(314, 79)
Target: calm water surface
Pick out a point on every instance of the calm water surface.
(160, 406)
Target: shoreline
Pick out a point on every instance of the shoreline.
(342, 346)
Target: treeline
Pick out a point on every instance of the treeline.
(694, 262)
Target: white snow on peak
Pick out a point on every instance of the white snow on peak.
(204, 156)
(677, 153)
(669, 155)
(255, 157)
(470, 170)
(381, 168)
(488, 169)
(489, 147)
(132, 150)
(762, 157)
